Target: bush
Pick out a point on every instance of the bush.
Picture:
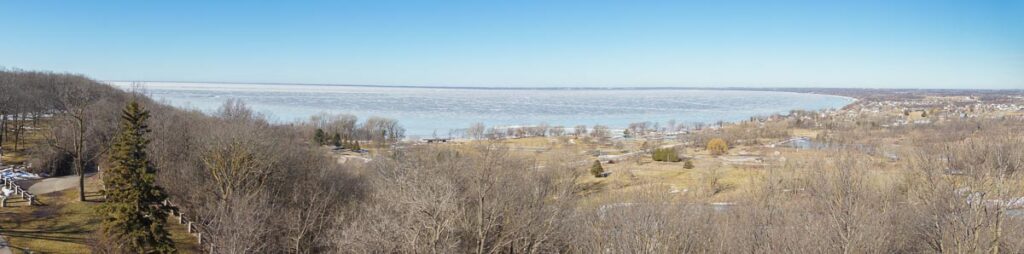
(688, 164)
(665, 154)
(319, 137)
(596, 169)
(717, 147)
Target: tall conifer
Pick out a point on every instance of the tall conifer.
(134, 212)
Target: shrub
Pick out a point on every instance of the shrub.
(665, 154)
(717, 146)
(596, 169)
(688, 164)
(319, 137)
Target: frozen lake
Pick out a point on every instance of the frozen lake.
(422, 111)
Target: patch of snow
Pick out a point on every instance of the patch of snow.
(17, 174)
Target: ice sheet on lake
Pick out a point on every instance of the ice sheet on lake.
(424, 111)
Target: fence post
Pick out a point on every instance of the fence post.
(3, 201)
(189, 227)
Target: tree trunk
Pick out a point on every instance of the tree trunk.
(81, 187)
(79, 161)
(3, 126)
(17, 131)
(3, 131)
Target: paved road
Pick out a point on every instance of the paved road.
(54, 184)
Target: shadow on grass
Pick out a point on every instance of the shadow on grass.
(94, 197)
(69, 233)
(59, 235)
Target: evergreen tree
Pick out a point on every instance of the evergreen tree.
(336, 140)
(319, 137)
(134, 212)
(596, 169)
(688, 164)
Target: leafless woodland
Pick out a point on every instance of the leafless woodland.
(259, 187)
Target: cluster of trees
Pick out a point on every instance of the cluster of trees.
(27, 96)
(322, 138)
(479, 131)
(82, 117)
(483, 199)
(252, 186)
(600, 133)
(345, 130)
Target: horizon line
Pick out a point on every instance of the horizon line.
(776, 88)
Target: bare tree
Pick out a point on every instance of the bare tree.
(476, 131)
(86, 124)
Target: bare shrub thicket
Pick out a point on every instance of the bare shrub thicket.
(479, 200)
(254, 186)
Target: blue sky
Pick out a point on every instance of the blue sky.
(920, 44)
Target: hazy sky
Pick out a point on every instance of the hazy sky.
(926, 44)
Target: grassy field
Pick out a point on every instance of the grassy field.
(30, 138)
(65, 225)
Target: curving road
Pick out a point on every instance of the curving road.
(54, 184)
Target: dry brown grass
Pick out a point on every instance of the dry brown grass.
(65, 225)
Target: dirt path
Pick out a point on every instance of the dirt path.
(54, 184)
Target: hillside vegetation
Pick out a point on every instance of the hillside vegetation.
(252, 186)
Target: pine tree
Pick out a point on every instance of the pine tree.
(596, 169)
(336, 140)
(318, 137)
(134, 212)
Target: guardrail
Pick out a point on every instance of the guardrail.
(18, 191)
(193, 228)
